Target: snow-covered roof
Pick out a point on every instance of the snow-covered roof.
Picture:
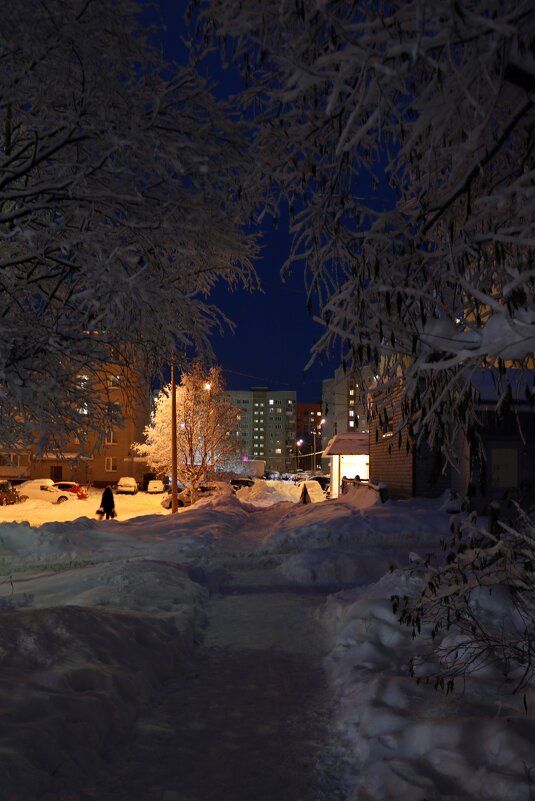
(348, 444)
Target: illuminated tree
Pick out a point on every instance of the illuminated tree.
(120, 208)
(206, 428)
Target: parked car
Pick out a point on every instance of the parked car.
(8, 494)
(43, 489)
(184, 497)
(323, 481)
(238, 483)
(72, 486)
(155, 486)
(127, 485)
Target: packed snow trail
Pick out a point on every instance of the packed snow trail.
(249, 721)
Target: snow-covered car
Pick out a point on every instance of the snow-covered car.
(155, 486)
(127, 486)
(72, 486)
(238, 483)
(43, 489)
(8, 494)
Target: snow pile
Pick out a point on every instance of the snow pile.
(268, 493)
(407, 741)
(352, 519)
(54, 545)
(96, 615)
(85, 651)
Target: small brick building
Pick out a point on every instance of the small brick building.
(506, 469)
(407, 470)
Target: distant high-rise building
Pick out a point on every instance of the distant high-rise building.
(343, 402)
(266, 426)
(308, 422)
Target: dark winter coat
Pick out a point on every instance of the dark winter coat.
(107, 502)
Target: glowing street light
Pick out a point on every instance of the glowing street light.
(317, 430)
(298, 443)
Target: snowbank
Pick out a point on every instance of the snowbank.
(406, 741)
(95, 615)
(268, 493)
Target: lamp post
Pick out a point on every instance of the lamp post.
(174, 458)
(211, 473)
(298, 443)
(317, 430)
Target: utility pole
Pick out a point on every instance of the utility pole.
(317, 430)
(174, 457)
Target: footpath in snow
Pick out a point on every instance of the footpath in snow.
(249, 719)
(242, 649)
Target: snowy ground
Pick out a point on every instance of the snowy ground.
(242, 649)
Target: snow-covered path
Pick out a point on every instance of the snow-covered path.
(249, 719)
(237, 653)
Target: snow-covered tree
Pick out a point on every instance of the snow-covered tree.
(121, 206)
(401, 136)
(477, 606)
(205, 423)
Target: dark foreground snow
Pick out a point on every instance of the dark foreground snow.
(237, 652)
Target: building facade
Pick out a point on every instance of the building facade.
(107, 463)
(308, 434)
(344, 403)
(266, 426)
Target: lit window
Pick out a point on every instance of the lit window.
(110, 464)
(351, 391)
(351, 424)
(278, 450)
(351, 412)
(271, 402)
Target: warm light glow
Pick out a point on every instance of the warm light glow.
(208, 386)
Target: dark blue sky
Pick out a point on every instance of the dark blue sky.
(274, 331)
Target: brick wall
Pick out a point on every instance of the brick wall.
(429, 480)
(389, 460)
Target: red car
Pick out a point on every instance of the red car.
(72, 486)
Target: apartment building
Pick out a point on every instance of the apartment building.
(106, 464)
(343, 405)
(266, 426)
(308, 424)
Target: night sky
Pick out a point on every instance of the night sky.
(274, 331)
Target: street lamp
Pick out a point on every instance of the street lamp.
(298, 443)
(317, 430)
(210, 455)
(174, 459)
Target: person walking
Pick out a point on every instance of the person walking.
(107, 503)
